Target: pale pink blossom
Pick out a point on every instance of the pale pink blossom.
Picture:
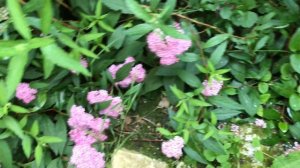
(137, 73)
(114, 109)
(85, 156)
(81, 137)
(212, 87)
(98, 96)
(260, 123)
(25, 93)
(79, 118)
(173, 147)
(86, 129)
(167, 48)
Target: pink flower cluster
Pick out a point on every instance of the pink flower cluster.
(260, 123)
(167, 48)
(173, 147)
(86, 130)
(85, 156)
(137, 73)
(212, 88)
(25, 93)
(100, 96)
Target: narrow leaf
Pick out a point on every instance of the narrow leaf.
(18, 18)
(16, 69)
(59, 57)
(46, 15)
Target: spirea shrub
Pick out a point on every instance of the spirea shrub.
(75, 75)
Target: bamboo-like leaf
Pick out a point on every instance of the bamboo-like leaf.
(18, 18)
(46, 15)
(59, 57)
(16, 69)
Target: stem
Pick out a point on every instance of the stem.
(206, 25)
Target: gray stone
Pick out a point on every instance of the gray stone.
(124, 158)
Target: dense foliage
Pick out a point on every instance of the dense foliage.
(229, 69)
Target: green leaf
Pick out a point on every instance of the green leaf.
(27, 145)
(294, 129)
(261, 43)
(164, 131)
(294, 101)
(194, 155)
(91, 36)
(178, 93)
(16, 70)
(263, 87)
(59, 57)
(217, 55)
(18, 18)
(167, 10)
(216, 40)
(154, 4)
(138, 11)
(13, 125)
(69, 42)
(259, 155)
(271, 114)
(295, 62)
(189, 78)
(3, 97)
(283, 126)
(123, 72)
(246, 19)
(249, 101)
(224, 113)
(6, 155)
(117, 5)
(38, 154)
(225, 102)
(200, 103)
(287, 161)
(117, 38)
(48, 67)
(46, 16)
(173, 32)
(139, 30)
(35, 129)
(211, 144)
(50, 139)
(189, 57)
(18, 109)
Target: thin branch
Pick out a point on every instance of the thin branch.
(205, 25)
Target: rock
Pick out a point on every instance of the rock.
(124, 158)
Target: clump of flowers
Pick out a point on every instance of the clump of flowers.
(136, 75)
(25, 93)
(85, 156)
(99, 96)
(167, 48)
(212, 87)
(173, 147)
(86, 130)
(260, 123)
